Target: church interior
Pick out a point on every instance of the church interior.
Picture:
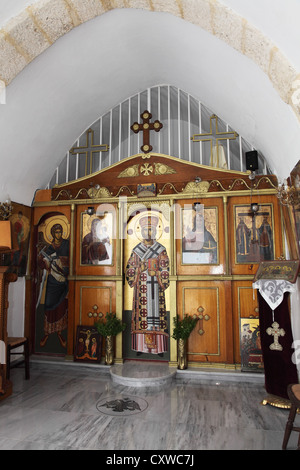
(149, 225)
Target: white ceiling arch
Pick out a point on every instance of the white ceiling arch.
(50, 100)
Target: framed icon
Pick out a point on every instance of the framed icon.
(97, 239)
(88, 346)
(199, 229)
(254, 234)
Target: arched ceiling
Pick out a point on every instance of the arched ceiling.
(249, 78)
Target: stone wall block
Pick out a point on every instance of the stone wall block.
(257, 47)
(169, 6)
(198, 12)
(26, 34)
(282, 74)
(54, 17)
(11, 61)
(227, 25)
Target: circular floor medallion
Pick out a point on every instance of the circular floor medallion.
(121, 405)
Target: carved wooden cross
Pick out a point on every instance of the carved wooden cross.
(146, 127)
(89, 149)
(214, 135)
(276, 332)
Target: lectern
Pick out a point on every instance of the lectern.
(5, 279)
(275, 280)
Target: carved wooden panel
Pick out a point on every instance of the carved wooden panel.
(93, 300)
(213, 333)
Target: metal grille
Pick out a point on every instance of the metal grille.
(182, 116)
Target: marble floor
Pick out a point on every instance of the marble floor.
(81, 408)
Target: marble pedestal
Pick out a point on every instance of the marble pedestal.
(143, 374)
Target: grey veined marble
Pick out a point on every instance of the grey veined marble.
(72, 407)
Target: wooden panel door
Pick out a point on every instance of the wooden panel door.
(211, 340)
(93, 299)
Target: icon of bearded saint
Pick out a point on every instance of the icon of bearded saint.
(147, 272)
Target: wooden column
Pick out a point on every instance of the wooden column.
(5, 279)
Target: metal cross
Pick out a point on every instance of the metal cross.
(276, 332)
(146, 127)
(212, 136)
(89, 149)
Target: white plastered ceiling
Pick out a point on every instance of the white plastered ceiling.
(241, 61)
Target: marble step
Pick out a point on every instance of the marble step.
(142, 374)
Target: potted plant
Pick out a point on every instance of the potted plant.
(110, 328)
(181, 332)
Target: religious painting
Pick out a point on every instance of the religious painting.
(297, 225)
(88, 346)
(147, 266)
(251, 354)
(20, 233)
(146, 190)
(97, 232)
(254, 234)
(295, 182)
(52, 285)
(199, 230)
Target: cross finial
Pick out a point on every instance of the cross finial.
(89, 149)
(146, 127)
(214, 135)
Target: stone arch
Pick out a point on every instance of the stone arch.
(37, 27)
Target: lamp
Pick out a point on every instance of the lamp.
(5, 208)
(197, 205)
(289, 195)
(5, 235)
(90, 210)
(254, 207)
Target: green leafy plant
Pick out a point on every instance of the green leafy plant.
(184, 327)
(111, 327)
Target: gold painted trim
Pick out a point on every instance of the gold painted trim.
(178, 196)
(213, 365)
(218, 318)
(217, 277)
(226, 234)
(95, 278)
(72, 240)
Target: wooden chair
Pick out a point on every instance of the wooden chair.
(13, 343)
(293, 391)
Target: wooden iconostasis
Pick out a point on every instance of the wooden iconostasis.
(86, 231)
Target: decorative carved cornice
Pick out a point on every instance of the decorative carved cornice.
(190, 188)
(146, 169)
